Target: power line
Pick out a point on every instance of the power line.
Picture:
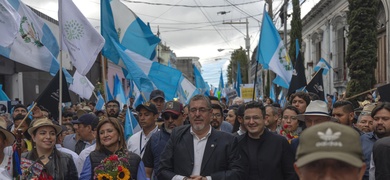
(224, 38)
(190, 6)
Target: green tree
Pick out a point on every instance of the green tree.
(362, 45)
(296, 30)
(238, 55)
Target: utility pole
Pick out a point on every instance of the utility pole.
(247, 44)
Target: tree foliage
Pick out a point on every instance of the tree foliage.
(362, 47)
(296, 30)
(238, 55)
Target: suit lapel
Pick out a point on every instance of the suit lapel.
(189, 143)
(211, 145)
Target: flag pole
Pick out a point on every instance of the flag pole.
(356, 95)
(60, 71)
(103, 62)
(254, 83)
(25, 117)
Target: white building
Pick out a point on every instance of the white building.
(324, 34)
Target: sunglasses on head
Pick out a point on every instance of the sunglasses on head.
(167, 116)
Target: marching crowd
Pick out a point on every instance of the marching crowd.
(202, 140)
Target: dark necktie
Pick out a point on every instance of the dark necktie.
(80, 145)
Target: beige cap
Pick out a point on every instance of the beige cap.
(330, 140)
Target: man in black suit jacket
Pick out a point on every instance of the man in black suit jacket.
(197, 151)
(269, 155)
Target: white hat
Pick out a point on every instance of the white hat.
(316, 108)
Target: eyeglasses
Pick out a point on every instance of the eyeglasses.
(167, 116)
(201, 110)
(292, 118)
(216, 115)
(255, 118)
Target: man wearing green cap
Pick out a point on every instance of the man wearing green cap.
(329, 151)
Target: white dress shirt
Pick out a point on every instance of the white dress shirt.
(137, 142)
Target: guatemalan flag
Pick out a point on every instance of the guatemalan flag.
(128, 29)
(272, 54)
(9, 23)
(324, 65)
(34, 45)
(152, 71)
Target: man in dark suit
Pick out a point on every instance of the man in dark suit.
(198, 151)
(269, 155)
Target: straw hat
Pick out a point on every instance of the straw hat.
(43, 122)
(9, 137)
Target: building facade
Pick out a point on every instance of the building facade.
(324, 35)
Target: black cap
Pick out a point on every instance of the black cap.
(148, 106)
(157, 94)
(20, 106)
(87, 119)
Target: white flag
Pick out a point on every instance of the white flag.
(79, 38)
(81, 86)
(9, 23)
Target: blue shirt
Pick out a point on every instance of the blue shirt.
(86, 172)
(367, 140)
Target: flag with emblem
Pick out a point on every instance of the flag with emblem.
(298, 79)
(81, 86)
(79, 37)
(316, 85)
(35, 45)
(272, 54)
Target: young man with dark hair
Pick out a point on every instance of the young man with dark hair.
(300, 100)
(343, 111)
(269, 155)
(147, 118)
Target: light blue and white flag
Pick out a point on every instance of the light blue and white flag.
(109, 96)
(100, 102)
(272, 54)
(127, 28)
(199, 81)
(3, 96)
(118, 92)
(238, 80)
(186, 90)
(9, 23)
(131, 124)
(35, 45)
(324, 65)
(135, 73)
(221, 84)
(79, 37)
(81, 86)
(272, 93)
(155, 72)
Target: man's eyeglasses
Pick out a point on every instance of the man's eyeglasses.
(167, 116)
(216, 115)
(201, 110)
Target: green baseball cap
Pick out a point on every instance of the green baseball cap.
(329, 140)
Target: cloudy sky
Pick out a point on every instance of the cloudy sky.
(191, 27)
